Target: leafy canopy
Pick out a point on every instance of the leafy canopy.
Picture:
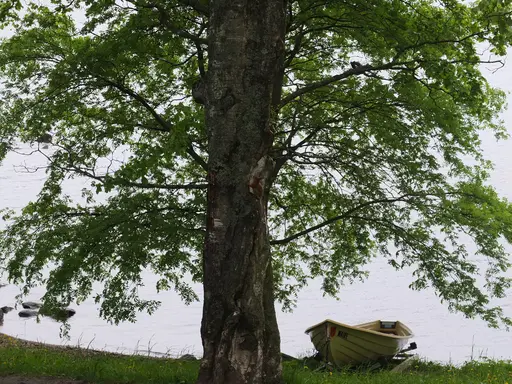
(370, 160)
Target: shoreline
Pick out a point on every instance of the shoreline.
(9, 341)
(23, 361)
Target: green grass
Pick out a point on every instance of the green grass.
(96, 368)
(104, 368)
(483, 372)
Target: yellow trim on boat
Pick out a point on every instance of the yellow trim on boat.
(361, 327)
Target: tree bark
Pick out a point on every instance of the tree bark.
(239, 328)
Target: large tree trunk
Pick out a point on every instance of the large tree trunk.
(239, 327)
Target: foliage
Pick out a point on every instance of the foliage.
(372, 160)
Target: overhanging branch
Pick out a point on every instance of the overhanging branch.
(322, 83)
(189, 186)
(136, 96)
(118, 181)
(393, 65)
(337, 218)
(166, 126)
(349, 212)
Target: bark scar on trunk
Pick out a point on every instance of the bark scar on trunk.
(259, 174)
(228, 100)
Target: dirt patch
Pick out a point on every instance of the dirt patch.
(37, 380)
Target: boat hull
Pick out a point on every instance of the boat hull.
(342, 344)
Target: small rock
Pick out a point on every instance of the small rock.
(286, 357)
(3, 285)
(31, 305)
(4, 310)
(68, 312)
(27, 313)
(62, 314)
(187, 356)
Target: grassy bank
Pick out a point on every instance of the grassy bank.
(38, 360)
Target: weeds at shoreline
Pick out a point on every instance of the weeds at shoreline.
(97, 367)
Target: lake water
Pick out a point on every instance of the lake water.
(174, 328)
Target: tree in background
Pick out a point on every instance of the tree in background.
(270, 142)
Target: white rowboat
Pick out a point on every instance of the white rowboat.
(342, 344)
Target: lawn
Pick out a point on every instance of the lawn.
(44, 364)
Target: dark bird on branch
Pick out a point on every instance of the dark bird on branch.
(45, 138)
(355, 64)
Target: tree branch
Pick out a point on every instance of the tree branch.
(394, 65)
(164, 19)
(197, 6)
(322, 83)
(138, 98)
(165, 125)
(296, 48)
(189, 186)
(446, 41)
(190, 36)
(298, 42)
(288, 239)
(200, 61)
(199, 160)
(349, 212)
(118, 181)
